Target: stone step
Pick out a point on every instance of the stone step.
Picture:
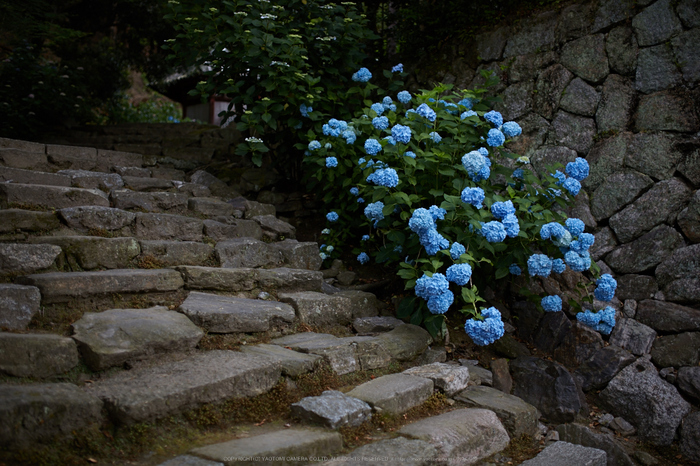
(173, 253)
(293, 363)
(113, 337)
(448, 378)
(252, 280)
(232, 228)
(63, 157)
(150, 201)
(14, 220)
(212, 377)
(155, 226)
(275, 448)
(136, 172)
(18, 304)
(50, 197)
(320, 309)
(88, 218)
(560, 453)
(332, 409)
(210, 207)
(518, 417)
(275, 229)
(43, 413)
(394, 393)
(398, 451)
(36, 355)
(92, 252)
(23, 159)
(27, 258)
(93, 180)
(18, 175)
(249, 252)
(65, 286)
(226, 314)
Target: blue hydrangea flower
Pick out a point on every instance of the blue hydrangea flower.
(390, 140)
(328, 145)
(398, 68)
(305, 110)
(384, 177)
(559, 176)
(558, 266)
(501, 209)
(363, 258)
(605, 291)
(511, 129)
(354, 191)
(401, 133)
(409, 153)
(427, 287)
(493, 231)
(373, 211)
(362, 75)
(466, 102)
(551, 303)
(584, 242)
(578, 262)
(326, 231)
(330, 248)
(578, 169)
(495, 118)
(511, 224)
(457, 250)
(349, 136)
(426, 112)
(433, 241)
(575, 226)
(514, 269)
(441, 303)
(602, 321)
(437, 213)
(404, 97)
(360, 200)
(435, 137)
(314, 145)
(518, 174)
(372, 146)
(552, 230)
(495, 138)
(365, 238)
(386, 101)
(484, 332)
(381, 123)
(467, 114)
(378, 108)
(572, 185)
(540, 265)
(474, 163)
(421, 221)
(323, 255)
(485, 152)
(473, 196)
(332, 216)
(331, 162)
(459, 274)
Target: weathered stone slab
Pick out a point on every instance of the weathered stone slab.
(689, 219)
(29, 355)
(617, 191)
(340, 353)
(91, 252)
(371, 354)
(27, 258)
(112, 337)
(93, 180)
(35, 413)
(469, 434)
(12, 220)
(553, 327)
(579, 98)
(72, 157)
(405, 342)
(55, 197)
(97, 218)
(149, 202)
(637, 287)
(548, 386)
(633, 336)
(247, 252)
(645, 252)
(394, 393)
(551, 155)
(209, 207)
(195, 190)
(689, 381)
(651, 404)
(622, 48)
(518, 417)
(534, 33)
(615, 107)
(362, 303)
(59, 286)
(108, 159)
(220, 231)
(517, 101)
(246, 279)
(684, 262)
(142, 184)
(605, 158)
(685, 290)
(293, 363)
(656, 70)
(167, 227)
(188, 460)
(550, 86)
(305, 340)
(298, 255)
(319, 309)
(275, 228)
(578, 345)
(18, 175)
(212, 377)
(277, 448)
(35, 147)
(586, 57)
(18, 304)
(448, 378)
(666, 111)
(582, 435)
(690, 436)
(665, 317)
(605, 364)
(678, 350)
(656, 23)
(560, 453)
(217, 187)
(684, 47)
(333, 409)
(172, 253)
(365, 325)
(398, 451)
(132, 172)
(167, 173)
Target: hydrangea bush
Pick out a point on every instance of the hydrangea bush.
(443, 199)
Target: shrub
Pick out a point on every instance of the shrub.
(445, 201)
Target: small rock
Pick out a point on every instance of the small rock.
(645, 459)
(621, 426)
(333, 409)
(501, 376)
(606, 419)
(560, 453)
(450, 379)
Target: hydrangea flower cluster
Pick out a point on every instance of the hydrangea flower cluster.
(435, 290)
(606, 287)
(484, 332)
(457, 250)
(515, 269)
(372, 146)
(551, 303)
(381, 123)
(495, 138)
(362, 75)
(363, 258)
(426, 112)
(384, 177)
(422, 222)
(477, 165)
(398, 68)
(436, 138)
(334, 127)
(459, 274)
(493, 231)
(602, 321)
(401, 133)
(511, 129)
(404, 97)
(331, 162)
(494, 117)
(374, 213)
(305, 110)
(332, 216)
(539, 265)
(314, 145)
(473, 196)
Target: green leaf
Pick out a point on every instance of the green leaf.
(406, 307)
(500, 273)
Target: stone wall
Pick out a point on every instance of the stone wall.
(615, 82)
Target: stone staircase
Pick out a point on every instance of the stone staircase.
(132, 297)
